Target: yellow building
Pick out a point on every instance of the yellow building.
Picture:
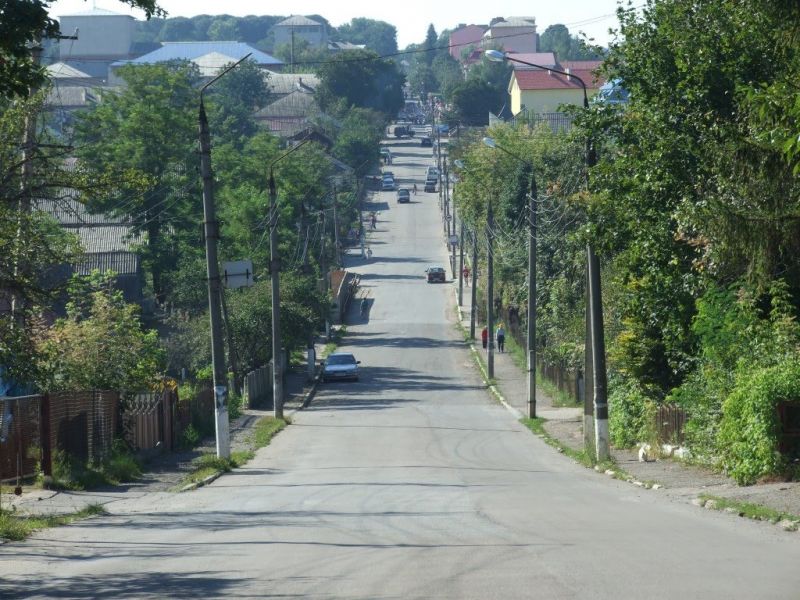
(543, 90)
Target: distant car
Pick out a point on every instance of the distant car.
(403, 195)
(425, 141)
(436, 274)
(430, 185)
(388, 174)
(388, 184)
(432, 173)
(340, 365)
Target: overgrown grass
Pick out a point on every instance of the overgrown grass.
(336, 338)
(536, 425)
(520, 358)
(749, 510)
(206, 465)
(16, 527)
(121, 466)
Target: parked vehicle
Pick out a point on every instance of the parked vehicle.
(425, 141)
(340, 365)
(430, 185)
(388, 184)
(388, 175)
(403, 131)
(436, 274)
(403, 195)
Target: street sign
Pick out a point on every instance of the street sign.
(453, 240)
(237, 274)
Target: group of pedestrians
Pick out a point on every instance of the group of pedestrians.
(499, 335)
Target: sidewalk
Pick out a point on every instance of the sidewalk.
(163, 473)
(674, 478)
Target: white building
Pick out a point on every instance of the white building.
(300, 28)
(103, 37)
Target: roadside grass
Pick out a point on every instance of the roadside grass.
(520, 358)
(208, 465)
(121, 466)
(15, 527)
(536, 425)
(336, 338)
(749, 510)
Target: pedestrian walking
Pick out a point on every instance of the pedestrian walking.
(501, 338)
(466, 274)
(369, 253)
(374, 221)
(485, 337)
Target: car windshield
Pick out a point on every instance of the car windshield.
(341, 359)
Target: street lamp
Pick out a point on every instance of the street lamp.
(532, 220)
(473, 295)
(274, 270)
(596, 346)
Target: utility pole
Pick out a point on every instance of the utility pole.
(490, 290)
(336, 249)
(588, 370)
(274, 270)
(461, 263)
(452, 229)
(474, 292)
(323, 264)
(532, 222)
(211, 231)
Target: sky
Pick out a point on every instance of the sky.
(410, 17)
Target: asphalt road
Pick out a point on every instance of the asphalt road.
(411, 483)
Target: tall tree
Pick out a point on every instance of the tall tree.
(361, 78)
(149, 128)
(378, 36)
(429, 45)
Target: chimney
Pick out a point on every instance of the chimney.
(568, 77)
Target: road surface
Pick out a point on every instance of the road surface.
(411, 483)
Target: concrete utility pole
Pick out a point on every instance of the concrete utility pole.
(453, 232)
(474, 291)
(275, 267)
(532, 222)
(211, 232)
(490, 289)
(337, 249)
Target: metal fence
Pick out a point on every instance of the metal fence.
(81, 424)
(20, 436)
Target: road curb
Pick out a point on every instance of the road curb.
(198, 484)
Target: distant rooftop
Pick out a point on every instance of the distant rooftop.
(516, 22)
(95, 12)
(544, 59)
(286, 83)
(195, 50)
(63, 70)
(297, 21)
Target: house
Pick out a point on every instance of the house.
(543, 90)
(109, 243)
(334, 47)
(289, 114)
(298, 27)
(210, 57)
(542, 59)
(104, 37)
(466, 38)
(71, 90)
(514, 34)
(283, 84)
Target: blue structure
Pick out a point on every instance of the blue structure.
(612, 92)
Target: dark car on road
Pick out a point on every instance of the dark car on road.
(403, 195)
(340, 365)
(430, 185)
(425, 141)
(436, 274)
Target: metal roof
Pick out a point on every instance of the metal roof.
(193, 50)
(295, 104)
(298, 20)
(60, 69)
(282, 84)
(71, 212)
(109, 238)
(95, 12)
(122, 263)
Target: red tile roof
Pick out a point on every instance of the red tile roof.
(548, 80)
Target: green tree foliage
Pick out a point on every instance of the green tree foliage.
(378, 36)
(149, 128)
(557, 38)
(473, 100)
(361, 79)
(22, 26)
(234, 99)
(100, 344)
(359, 139)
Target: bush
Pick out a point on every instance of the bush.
(631, 415)
(750, 427)
(190, 437)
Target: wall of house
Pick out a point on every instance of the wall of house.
(314, 35)
(98, 36)
(544, 101)
(524, 38)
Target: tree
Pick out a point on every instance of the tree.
(360, 78)
(23, 24)
(429, 45)
(234, 100)
(149, 128)
(100, 344)
(473, 100)
(378, 36)
(358, 141)
(556, 38)
(224, 28)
